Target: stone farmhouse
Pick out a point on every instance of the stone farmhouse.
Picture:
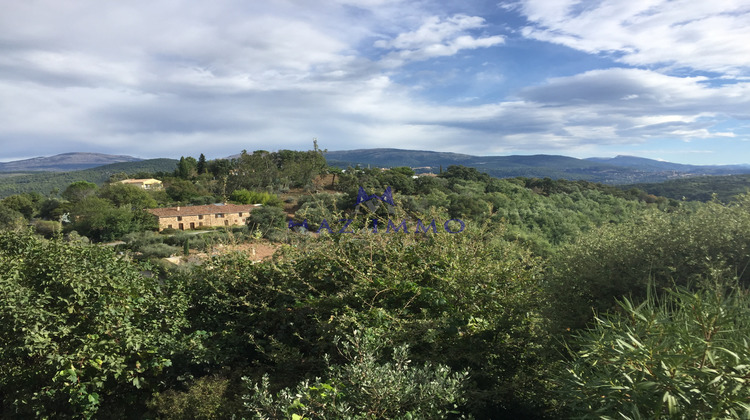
(195, 217)
(146, 183)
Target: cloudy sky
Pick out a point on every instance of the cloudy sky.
(165, 78)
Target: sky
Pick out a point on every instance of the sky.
(168, 78)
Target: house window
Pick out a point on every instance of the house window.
(200, 217)
(169, 226)
(200, 223)
(179, 218)
(240, 214)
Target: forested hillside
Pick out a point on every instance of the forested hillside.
(390, 295)
(46, 182)
(700, 188)
(618, 170)
(64, 162)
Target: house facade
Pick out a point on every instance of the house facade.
(196, 217)
(145, 183)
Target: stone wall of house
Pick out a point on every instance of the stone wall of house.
(202, 221)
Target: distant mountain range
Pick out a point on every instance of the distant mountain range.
(64, 162)
(617, 170)
(660, 165)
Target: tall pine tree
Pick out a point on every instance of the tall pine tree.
(202, 164)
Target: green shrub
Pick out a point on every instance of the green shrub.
(279, 235)
(682, 355)
(203, 200)
(80, 330)
(619, 260)
(207, 398)
(180, 237)
(367, 386)
(47, 228)
(267, 219)
(317, 207)
(137, 240)
(241, 230)
(75, 237)
(159, 250)
(467, 301)
(21, 203)
(11, 219)
(244, 196)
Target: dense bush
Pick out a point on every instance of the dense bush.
(51, 209)
(203, 200)
(620, 259)
(205, 399)
(87, 333)
(136, 240)
(318, 207)
(179, 238)
(47, 228)
(182, 190)
(467, 301)
(80, 330)
(365, 387)
(99, 219)
(680, 355)
(244, 196)
(267, 220)
(20, 203)
(135, 198)
(158, 250)
(11, 219)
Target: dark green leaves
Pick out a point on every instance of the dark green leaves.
(79, 328)
(681, 356)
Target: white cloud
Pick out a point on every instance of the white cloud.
(437, 38)
(166, 78)
(566, 114)
(698, 34)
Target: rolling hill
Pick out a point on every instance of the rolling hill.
(700, 188)
(44, 182)
(660, 165)
(64, 162)
(618, 170)
(27, 176)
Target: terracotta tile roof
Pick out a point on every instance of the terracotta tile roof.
(198, 210)
(140, 181)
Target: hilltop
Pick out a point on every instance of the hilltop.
(64, 162)
(618, 170)
(44, 182)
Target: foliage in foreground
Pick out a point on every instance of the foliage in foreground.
(80, 329)
(84, 334)
(467, 301)
(621, 259)
(682, 355)
(364, 387)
